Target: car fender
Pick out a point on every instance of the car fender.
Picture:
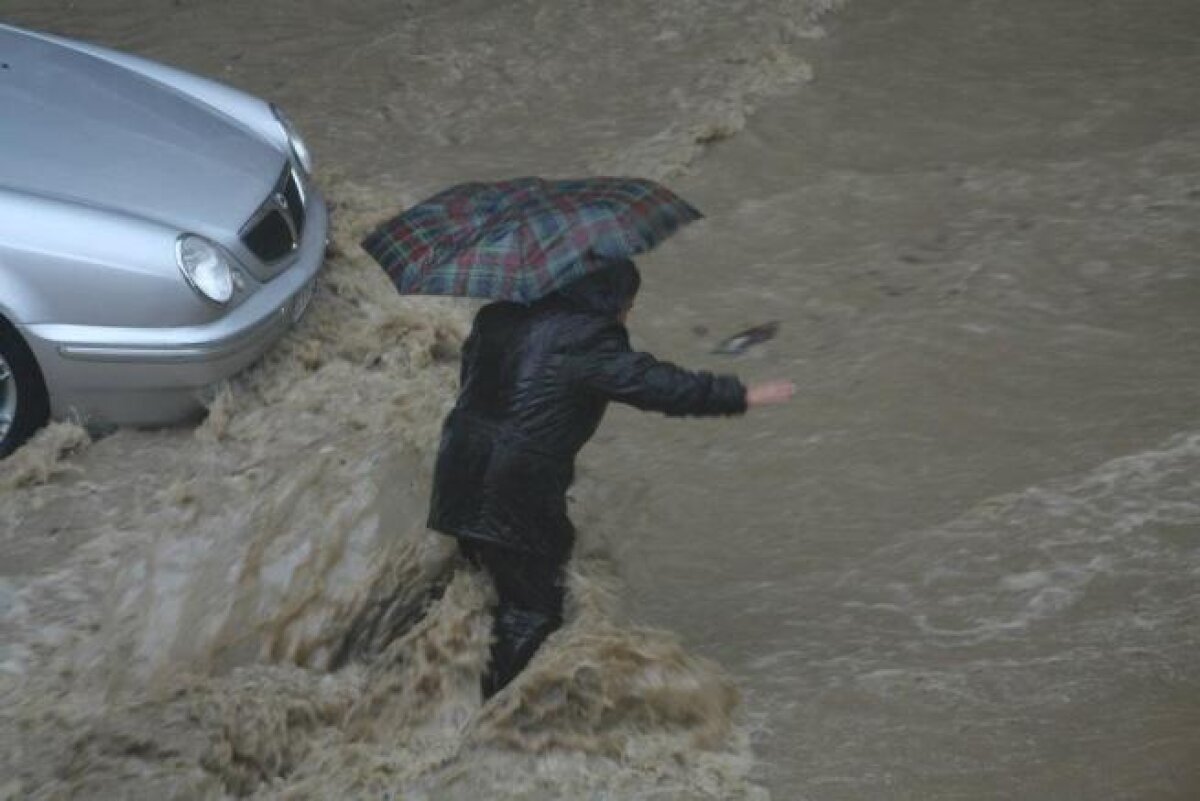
(64, 262)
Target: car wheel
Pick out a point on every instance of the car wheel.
(24, 405)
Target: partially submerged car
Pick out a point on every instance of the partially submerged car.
(158, 232)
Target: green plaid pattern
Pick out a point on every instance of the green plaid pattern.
(523, 238)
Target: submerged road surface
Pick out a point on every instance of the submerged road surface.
(964, 563)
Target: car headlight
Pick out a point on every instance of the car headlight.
(295, 141)
(205, 267)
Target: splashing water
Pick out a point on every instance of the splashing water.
(269, 618)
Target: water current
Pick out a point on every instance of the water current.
(963, 564)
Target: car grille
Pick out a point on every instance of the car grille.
(276, 228)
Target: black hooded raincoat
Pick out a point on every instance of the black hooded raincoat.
(536, 381)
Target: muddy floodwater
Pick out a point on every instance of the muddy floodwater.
(963, 564)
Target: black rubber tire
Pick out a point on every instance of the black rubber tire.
(33, 404)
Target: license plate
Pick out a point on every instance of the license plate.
(301, 300)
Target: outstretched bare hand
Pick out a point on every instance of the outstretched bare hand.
(769, 393)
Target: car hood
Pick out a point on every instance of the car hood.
(75, 126)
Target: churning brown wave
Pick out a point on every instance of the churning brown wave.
(263, 614)
(253, 607)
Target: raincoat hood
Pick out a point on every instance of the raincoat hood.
(608, 290)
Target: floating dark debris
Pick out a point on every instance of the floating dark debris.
(740, 342)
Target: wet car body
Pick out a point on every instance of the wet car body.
(158, 232)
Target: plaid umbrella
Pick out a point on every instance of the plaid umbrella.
(524, 238)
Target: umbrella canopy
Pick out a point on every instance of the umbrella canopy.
(524, 238)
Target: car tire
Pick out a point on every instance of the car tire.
(24, 404)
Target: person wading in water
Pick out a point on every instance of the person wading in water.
(535, 383)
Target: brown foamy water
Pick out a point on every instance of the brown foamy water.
(253, 607)
(961, 565)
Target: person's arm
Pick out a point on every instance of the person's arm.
(611, 368)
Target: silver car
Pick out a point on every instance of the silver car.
(158, 232)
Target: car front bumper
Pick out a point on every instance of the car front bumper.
(156, 376)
